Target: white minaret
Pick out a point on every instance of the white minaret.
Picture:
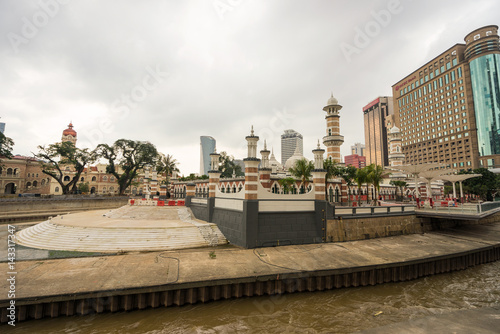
(333, 139)
(396, 155)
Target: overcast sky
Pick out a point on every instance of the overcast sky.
(170, 71)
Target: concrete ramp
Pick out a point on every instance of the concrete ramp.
(126, 229)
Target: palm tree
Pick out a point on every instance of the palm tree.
(376, 174)
(286, 183)
(399, 184)
(166, 165)
(360, 178)
(331, 170)
(348, 174)
(302, 170)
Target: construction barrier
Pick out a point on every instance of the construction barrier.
(171, 203)
(161, 203)
(180, 203)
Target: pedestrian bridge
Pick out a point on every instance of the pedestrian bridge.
(466, 211)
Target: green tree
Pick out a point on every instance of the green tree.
(399, 185)
(360, 178)
(286, 183)
(376, 174)
(57, 157)
(331, 170)
(6, 145)
(302, 170)
(166, 165)
(83, 188)
(228, 167)
(125, 158)
(348, 174)
(483, 186)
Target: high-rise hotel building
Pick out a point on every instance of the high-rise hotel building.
(449, 109)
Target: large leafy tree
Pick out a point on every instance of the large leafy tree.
(6, 145)
(125, 158)
(302, 170)
(56, 157)
(167, 165)
(228, 167)
(483, 186)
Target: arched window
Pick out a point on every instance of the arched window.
(234, 189)
(57, 189)
(66, 178)
(104, 178)
(16, 171)
(28, 185)
(111, 189)
(10, 171)
(241, 187)
(330, 194)
(28, 174)
(82, 179)
(94, 179)
(337, 195)
(111, 178)
(43, 182)
(103, 190)
(36, 174)
(275, 189)
(35, 184)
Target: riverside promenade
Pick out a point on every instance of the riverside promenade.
(51, 288)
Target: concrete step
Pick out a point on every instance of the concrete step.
(48, 235)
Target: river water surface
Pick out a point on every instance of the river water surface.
(335, 311)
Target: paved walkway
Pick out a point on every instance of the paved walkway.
(44, 278)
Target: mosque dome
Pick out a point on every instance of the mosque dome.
(295, 157)
(274, 162)
(69, 131)
(332, 101)
(395, 129)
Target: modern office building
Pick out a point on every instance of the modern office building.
(207, 146)
(2, 127)
(358, 149)
(449, 108)
(355, 160)
(290, 140)
(376, 115)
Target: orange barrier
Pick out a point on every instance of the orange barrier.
(180, 203)
(161, 203)
(171, 203)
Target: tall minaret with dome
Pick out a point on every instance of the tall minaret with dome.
(69, 134)
(333, 140)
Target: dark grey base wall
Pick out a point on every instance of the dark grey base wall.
(231, 225)
(250, 228)
(200, 211)
(287, 228)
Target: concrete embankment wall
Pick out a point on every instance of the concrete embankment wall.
(212, 290)
(34, 209)
(352, 229)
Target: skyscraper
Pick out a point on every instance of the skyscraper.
(358, 149)
(449, 108)
(2, 127)
(207, 146)
(376, 115)
(290, 140)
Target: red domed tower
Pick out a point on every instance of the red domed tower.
(69, 134)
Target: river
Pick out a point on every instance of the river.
(334, 311)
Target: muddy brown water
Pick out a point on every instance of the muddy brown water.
(335, 311)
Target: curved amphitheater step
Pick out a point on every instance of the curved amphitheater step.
(123, 230)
